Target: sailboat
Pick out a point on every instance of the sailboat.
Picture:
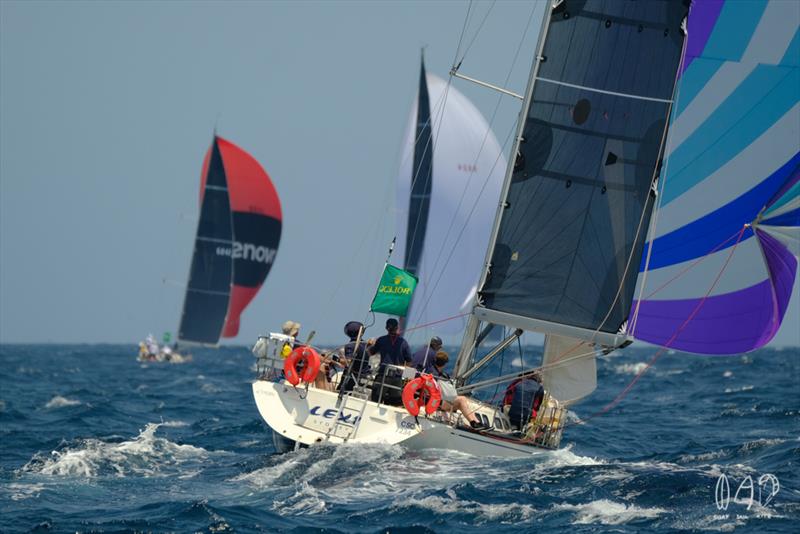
(451, 161)
(609, 227)
(237, 239)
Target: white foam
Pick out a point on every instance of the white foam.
(737, 390)
(630, 368)
(145, 455)
(306, 501)
(564, 457)
(503, 512)
(23, 491)
(60, 402)
(608, 512)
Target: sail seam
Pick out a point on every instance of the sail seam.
(215, 240)
(207, 291)
(603, 91)
(216, 188)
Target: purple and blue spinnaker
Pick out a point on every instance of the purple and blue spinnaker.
(723, 262)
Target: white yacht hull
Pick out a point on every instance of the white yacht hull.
(312, 416)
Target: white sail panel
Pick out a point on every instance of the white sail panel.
(468, 169)
(569, 369)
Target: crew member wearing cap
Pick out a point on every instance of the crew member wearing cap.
(394, 350)
(290, 328)
(423, 358)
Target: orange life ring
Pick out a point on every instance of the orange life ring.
(424, 383)
(310, 360)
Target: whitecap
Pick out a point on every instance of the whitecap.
(564, 457)
(305, 501)
(630, 368)
(608, 512)
(60, 402)
(737, 390)
(145, 455)
(23, 491)
(483, 512)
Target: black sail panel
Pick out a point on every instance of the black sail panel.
(578, 206)
(210, 277)
(421, 180)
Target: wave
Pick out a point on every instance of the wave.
(146, 455)
(60, 402)
(607, 512)
(478, 512)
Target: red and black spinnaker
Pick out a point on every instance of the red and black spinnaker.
(236, 244)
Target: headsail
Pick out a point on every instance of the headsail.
(733, 160)
(236, 244)
(579, 197)
(448, 154)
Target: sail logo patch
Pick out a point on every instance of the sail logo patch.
(248, 251)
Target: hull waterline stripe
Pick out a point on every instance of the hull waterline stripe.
(614, 93)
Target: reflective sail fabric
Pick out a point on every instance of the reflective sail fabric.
(579, 200)
(465, 175)
(245, 258)
(733, 160)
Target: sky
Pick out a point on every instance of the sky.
(106, 112)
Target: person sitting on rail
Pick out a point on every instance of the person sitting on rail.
(450, 398)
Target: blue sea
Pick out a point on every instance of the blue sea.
(93, 441)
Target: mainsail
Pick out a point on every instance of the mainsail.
(580, 195)
(237, 240)
(449, 182)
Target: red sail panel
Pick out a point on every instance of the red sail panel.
(257, 219)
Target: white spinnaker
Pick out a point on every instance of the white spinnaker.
(465, 152)
(569, 369)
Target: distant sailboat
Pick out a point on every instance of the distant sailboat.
(237, 240)
(448, 187)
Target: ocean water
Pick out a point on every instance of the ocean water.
(93, 441)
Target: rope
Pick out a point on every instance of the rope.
(664, 349)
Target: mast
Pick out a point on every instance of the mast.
(473, 323)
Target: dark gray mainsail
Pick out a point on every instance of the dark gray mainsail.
(578, 200)
(211, 274)
(421, 179)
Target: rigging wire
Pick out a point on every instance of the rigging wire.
(472, 174)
